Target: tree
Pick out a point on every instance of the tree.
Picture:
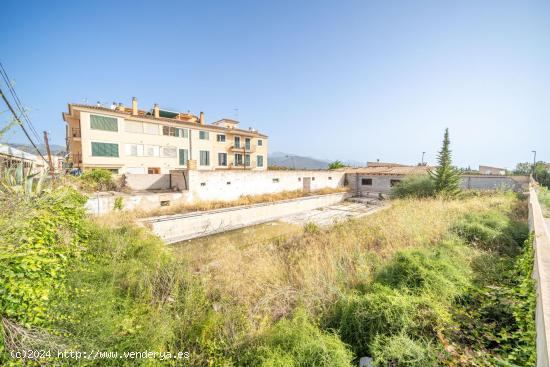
(445, 176)
(523, 169)
(336, 165)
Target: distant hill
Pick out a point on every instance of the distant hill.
(54, 148)
(295, 161)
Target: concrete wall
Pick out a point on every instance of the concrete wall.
(105, 202)
(230, 185)
(541, 274)
(382, 183)
(147, 182)
(484, 182)
(180, 227)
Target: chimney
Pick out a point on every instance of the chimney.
(134, 106)
(201, 118)
(156, 111)
(120, 107)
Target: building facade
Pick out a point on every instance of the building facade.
(129, 140)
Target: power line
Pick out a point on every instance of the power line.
(21, 124)
(18, 102)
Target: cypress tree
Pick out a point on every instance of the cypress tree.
(446, 177)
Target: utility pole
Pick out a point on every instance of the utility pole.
(534, 174)
(52, 171)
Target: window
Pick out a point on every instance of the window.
(275, 180)
(260, 161)
(184, 156)
(247, 160)
(330, 178)
(228, 182)
(172, 131)
(260, 142)
(184, 133)
(153, 170)
(220, 138)
(134, 150)
(247, 143)
(152, 129)
(104, 150)
(203, 135)
(394, 182)
(152, 151)
(133, 127)
(169, 152)
(165, 203)
(238, 161)
(237, 142)
(204, 157)
(103, 123)
(222, 159)
(203, 183)
(366, 181)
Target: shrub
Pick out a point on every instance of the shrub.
(359, 319)
(443, 271)
(402, 351)
(99, 179)
(419, 186)
(492, 230)
(39, 240)
(298, 342)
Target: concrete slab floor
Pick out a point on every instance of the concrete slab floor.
(332, 214)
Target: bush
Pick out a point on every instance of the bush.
(402, 351)
(99, 179)
(39, 240)
(442, 271)
(420, 186)
(359, 319)
(492, 230)
(298, 342)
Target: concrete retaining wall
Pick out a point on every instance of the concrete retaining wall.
(382, 184)
(141, 182)
(105, 202)
(541, 274)
(180, 227)
(230, 185)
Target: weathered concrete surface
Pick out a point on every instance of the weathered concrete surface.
(332, 214)
(140, 182)
(104, 202)
(541, 274)
(180, 227)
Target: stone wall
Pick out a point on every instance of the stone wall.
(105, 202)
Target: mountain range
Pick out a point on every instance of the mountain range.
(289, 160)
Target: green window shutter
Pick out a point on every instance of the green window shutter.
(184, 157)
(260, 161)
(104, 150)
(103, 123)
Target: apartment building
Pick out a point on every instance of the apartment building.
(129, 140)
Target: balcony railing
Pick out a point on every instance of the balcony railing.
(75, 132)
(242, 148)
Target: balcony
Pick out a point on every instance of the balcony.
(242, 149)
(75, 132)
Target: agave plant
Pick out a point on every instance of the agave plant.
(20, 180)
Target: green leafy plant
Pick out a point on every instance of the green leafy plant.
(336, 165)
(99, 179)
(18, 180)
(417, 186)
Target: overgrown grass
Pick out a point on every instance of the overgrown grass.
(412, 285)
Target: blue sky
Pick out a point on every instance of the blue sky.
(356, 80)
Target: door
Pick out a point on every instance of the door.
(306, 183)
